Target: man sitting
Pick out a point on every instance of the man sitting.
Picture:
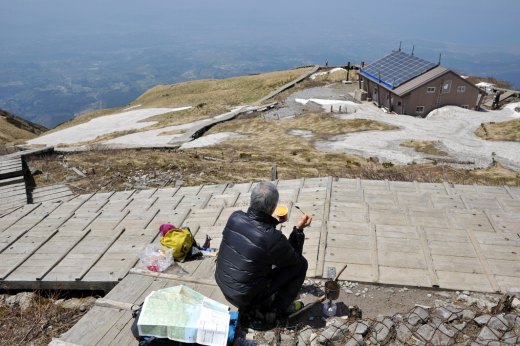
(256, 264)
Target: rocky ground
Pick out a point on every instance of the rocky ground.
(28, 318)
(384, 315)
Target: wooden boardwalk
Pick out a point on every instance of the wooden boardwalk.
(109, 321)
(414, 234)
(450, 236)
(16, 184)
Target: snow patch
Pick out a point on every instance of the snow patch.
(317, 74)
(103, 125)
(301, 133)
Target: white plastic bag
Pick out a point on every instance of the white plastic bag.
(156, 257)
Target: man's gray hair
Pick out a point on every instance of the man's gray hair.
(264, 197)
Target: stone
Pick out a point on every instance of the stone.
(444, 313)
(419, 314)
(468, 314)
(332, 333)
(443, 294)
(360, 327)
(381, 332)
(355, 340)
(23, 300)
(460, 326)
(286, 339)
(498, 323)
(304, 336)
(348, 291)
(465, 292)
(511, 338)
(440, 338)
(78, 303)
(250, 336)
(488, 334)
(269, 336)
(403, 333)
(314, 339)
(514, 321)
(426, 332)
(482, 319)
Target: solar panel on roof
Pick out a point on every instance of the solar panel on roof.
(397, 68)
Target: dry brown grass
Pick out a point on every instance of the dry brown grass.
(427, 147)
(502, 131)
(10, 133)
(38, 326)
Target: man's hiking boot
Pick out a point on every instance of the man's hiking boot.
(295, 306)
(260, 319)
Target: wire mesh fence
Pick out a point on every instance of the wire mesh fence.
(445, 325)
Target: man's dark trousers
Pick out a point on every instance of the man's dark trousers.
(284, 283)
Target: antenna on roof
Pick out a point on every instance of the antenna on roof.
(440, 55)
(413, 48)
(400, 42)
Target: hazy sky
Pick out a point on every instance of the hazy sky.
(133, 22)
(62, 57)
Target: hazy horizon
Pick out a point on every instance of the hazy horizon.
(63, 57)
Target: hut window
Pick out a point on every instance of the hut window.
(461, 88)
(446, 87)
(465, 106)
(419, 109)
(430, 90)
(398, 103)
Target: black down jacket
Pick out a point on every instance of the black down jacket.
(250, 246)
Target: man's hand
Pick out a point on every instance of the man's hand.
(305, 221)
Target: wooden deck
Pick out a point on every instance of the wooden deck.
(17, 186)
(402, 233)
(451, 236)
(12, 184)
(109, 321)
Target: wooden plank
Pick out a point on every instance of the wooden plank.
(93, 326)
(12, 181)
(323, 232)
(63, 255)
(62, 195)
(483, 261)
(29, 254)
(96, 259)
(428, 257)
(48, 188)
(174, 277)
(118, 328)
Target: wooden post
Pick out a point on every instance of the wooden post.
(274, 173)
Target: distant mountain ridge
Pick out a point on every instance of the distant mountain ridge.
(14, 128)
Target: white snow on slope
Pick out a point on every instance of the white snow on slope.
(336, 69)
(96, 127)
(452, 127)
(150, 138)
